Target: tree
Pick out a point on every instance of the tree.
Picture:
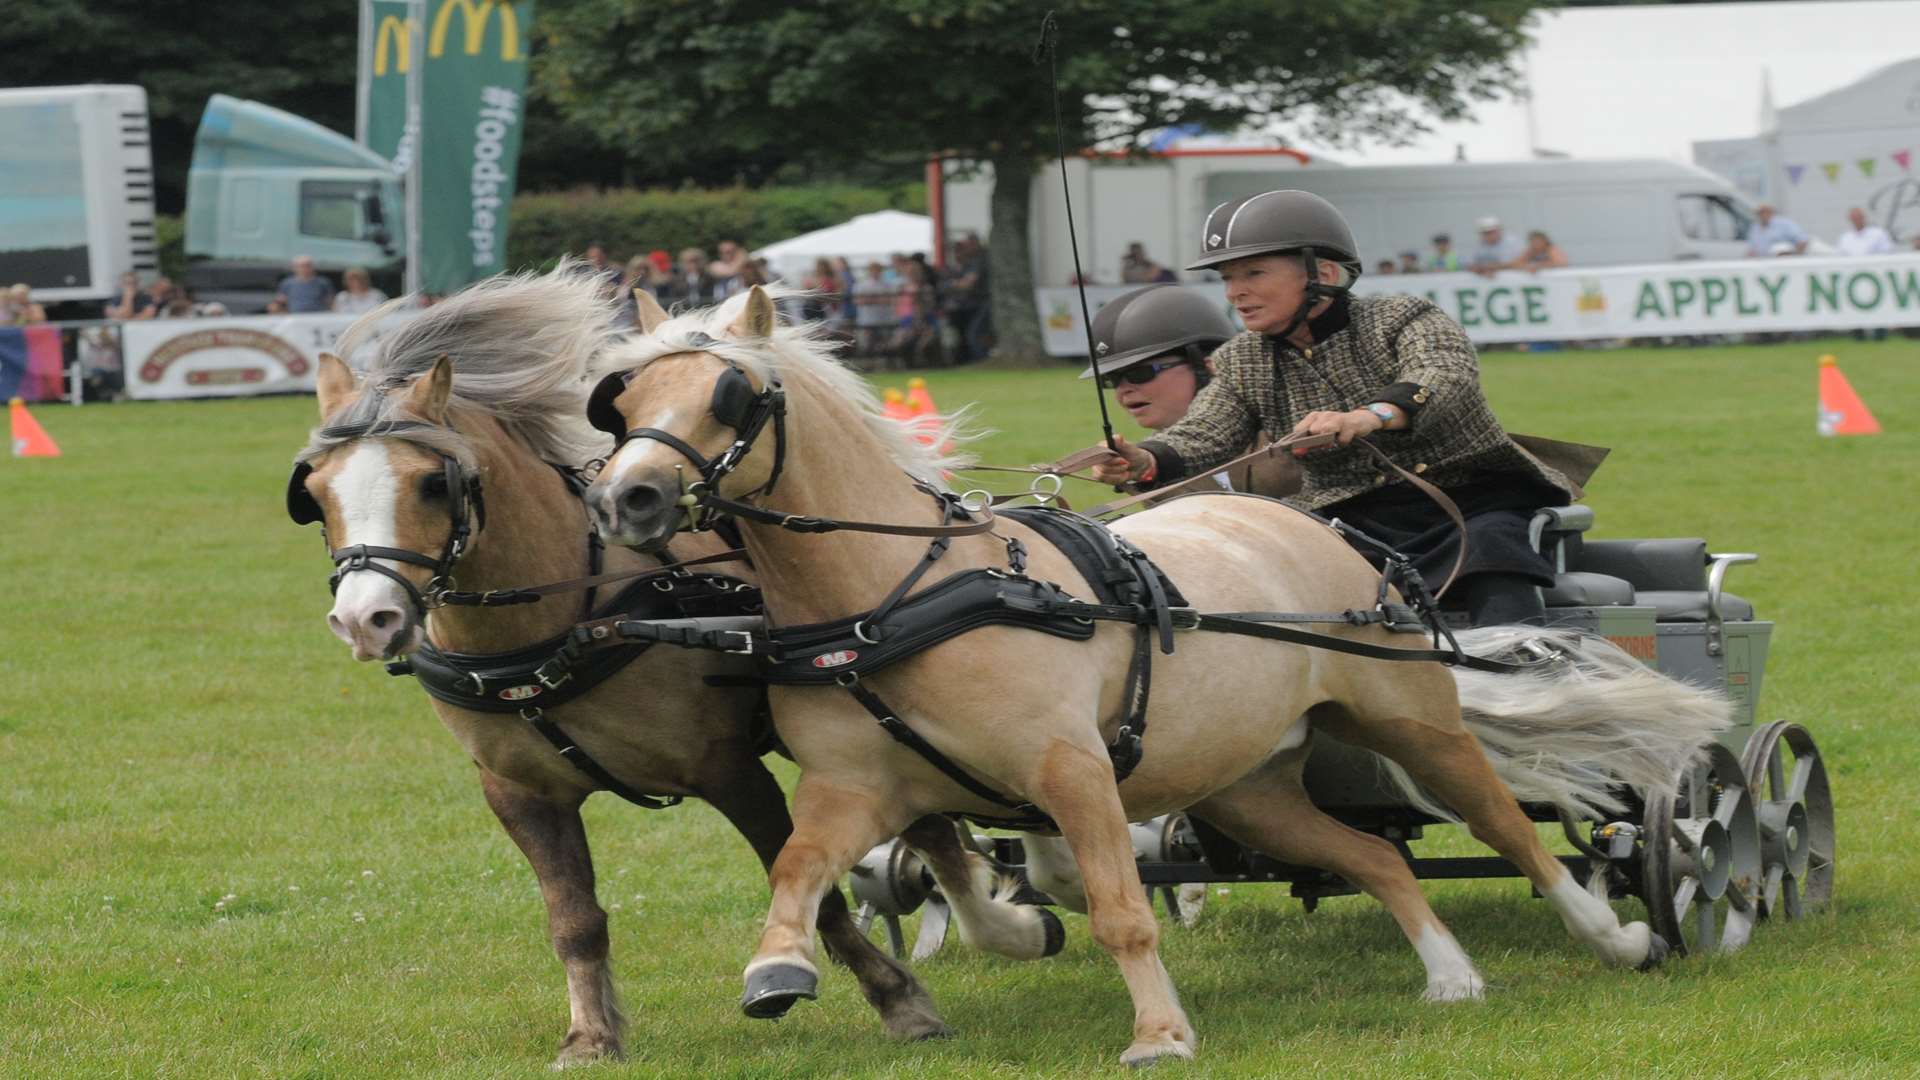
(833, 83)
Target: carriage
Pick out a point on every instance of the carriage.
(1748, 835)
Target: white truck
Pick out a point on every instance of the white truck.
(1599, 212)
(76, 190)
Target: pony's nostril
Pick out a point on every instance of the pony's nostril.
(639, 498)
(384, 618)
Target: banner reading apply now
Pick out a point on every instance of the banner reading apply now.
(1757, 295)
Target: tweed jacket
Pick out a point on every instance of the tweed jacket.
(1276, 476)
(1398, 349)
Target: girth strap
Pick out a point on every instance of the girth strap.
(593, 769)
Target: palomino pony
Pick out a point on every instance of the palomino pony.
(1020, 715)
(505, 415)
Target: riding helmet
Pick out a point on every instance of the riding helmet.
(1154, 321)
(1273, 222)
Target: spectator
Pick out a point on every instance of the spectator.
(1137, 268)
(1863, 239)
(966, 299)
(873, 310)
(600, 267)
(1497, 251)
(1444, 258)
(278, 305)
(212, 309)
(1771, 231)
(359, 296)
(637, 275)
(1541, 254)
(1384, 266)
(823, 303)
(916, 338)
(153, 303)
(21, 310)
(1409, 262)
(180, 305)
(727, 267)
(691, 284)
(131, 298)
(303, 290)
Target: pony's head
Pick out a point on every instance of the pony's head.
(395, 471)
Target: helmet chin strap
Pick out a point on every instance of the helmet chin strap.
(1329, 322)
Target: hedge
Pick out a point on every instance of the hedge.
(629, 223)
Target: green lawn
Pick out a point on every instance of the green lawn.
(227, 850)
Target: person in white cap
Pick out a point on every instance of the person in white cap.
(1497, 251)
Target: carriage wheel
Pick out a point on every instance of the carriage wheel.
(1700, 860)
(1788, 778)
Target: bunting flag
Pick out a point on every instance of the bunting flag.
(1832, 169)
(1866, 166)
(1793, 174)
(30, 364)
(1904, 158)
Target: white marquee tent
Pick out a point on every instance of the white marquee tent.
(868, 238)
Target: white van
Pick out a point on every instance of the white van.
(1599, 212)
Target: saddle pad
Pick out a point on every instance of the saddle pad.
(1094, 551)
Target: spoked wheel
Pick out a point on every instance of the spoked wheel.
(1788, 779)
(1701, 866)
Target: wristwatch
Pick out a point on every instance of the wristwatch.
(1384, 412)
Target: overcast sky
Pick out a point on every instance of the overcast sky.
(1648, 81)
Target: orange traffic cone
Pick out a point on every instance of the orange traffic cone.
(29, 438)
(1841, 410)
(894, 404)
(918, 399)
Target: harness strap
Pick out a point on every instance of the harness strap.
(906, 736)
(593, 769)
(532, 594)
(802, 523)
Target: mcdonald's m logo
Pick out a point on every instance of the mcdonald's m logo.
(475, 17)
(395, 39)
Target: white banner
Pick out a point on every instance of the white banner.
(1744, 296)
(230, 357)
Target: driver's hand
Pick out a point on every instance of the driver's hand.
(1129, 464)
(1344, 426)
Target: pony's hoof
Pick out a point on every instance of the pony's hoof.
(581, 1048)
(1056, 933)
(772, 989)
(1142, 1054)
(1456, 988)
(1657, 950)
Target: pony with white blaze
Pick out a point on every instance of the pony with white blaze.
(1030, 716)
(450, 455)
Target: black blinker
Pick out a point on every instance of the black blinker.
(601, 412)
(300, 504)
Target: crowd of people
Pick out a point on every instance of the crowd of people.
(905, 312)
(1497, 252)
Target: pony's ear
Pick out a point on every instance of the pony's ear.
(427, 398)
(647, 311)
(756, 319)
(333, 383)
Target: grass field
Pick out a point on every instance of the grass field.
(227, 850)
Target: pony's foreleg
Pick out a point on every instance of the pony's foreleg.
(833, 826)
(1445, 758)
(979, 895)
(746, 793)
(1271, 812)
(1074, 785)
(1051, 869)
(551, 836)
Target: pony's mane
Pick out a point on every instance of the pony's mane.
(803, 349)
(521, 345)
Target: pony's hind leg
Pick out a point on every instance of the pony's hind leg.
(744, 791)
(1074, 784)
(1270, 811)
(980, 897)
(1444, 757)
(554, 841)
(832, 827)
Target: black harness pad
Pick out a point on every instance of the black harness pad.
(1094, 550)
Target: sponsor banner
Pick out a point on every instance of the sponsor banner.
(386, 59)
(197, 358)
(1734, 297)
(472, 96)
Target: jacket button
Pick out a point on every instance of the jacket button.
(1420, 468)
(1379, 478)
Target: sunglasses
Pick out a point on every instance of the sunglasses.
(1138, 373)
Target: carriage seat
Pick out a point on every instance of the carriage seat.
(1555, 533)
(1676, 577)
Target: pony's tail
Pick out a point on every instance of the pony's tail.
(1574, 733)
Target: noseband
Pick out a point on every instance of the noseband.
(465, 507)
(735, 404)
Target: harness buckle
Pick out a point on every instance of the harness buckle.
(1184, 618)
(563, 675)
(746, 641)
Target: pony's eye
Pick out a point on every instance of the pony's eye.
(433, 486)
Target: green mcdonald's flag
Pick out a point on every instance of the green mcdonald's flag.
(473, 96)
(387, 59)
